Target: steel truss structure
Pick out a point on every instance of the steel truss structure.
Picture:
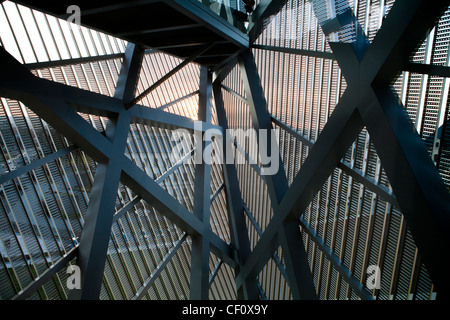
(187, 229)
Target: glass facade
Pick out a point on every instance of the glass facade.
(353, 227)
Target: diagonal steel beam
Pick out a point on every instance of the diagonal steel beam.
(297, 266)
(424, 200)
(150, 191)
(354, 283)
(301, 52)
(390, 51)
(35, 164)
(129, 73)
(167, 76)
(261, 16)
(262, 122)
(68, 62)
(237, 224)
(159, 269)
(206, 17)
(96, 232)
(18, 83)
(64, 119)
(368, 101)
(47, 275)
(355, 173)
(336, 137)
(22, 84)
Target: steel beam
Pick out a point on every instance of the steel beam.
(73, 61)
(159, 269)
(236, 218)
(164, 203)
(221, 73)
(199, 282)
(206, 17)
(424, 200)
(260, 232)
(262, 122)
(337, 263)
(260, 18)
(96, 232)
(205, 95)
(129, 73)
(164, 106)
(35, 164)
(299, 274)
(369, 101)
(296, 260)
(47, 275)
(336, 137)
(22, 85)
(19, 83)
(301, 52)
(430, 69)
(167, 76)
(163, 119)
(356, 174)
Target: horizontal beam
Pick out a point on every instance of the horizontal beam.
(162, 119)
(301, 52)
(430, 69)
(22, 85)
(73, 61)
(156, 30)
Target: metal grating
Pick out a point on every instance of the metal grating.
(353, 222)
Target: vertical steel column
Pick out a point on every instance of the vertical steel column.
(99, 217)
(132, 62)
(199, 283)
(297, 266)
(236, 218)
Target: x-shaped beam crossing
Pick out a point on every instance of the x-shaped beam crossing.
(58, 105)
(370, 101)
